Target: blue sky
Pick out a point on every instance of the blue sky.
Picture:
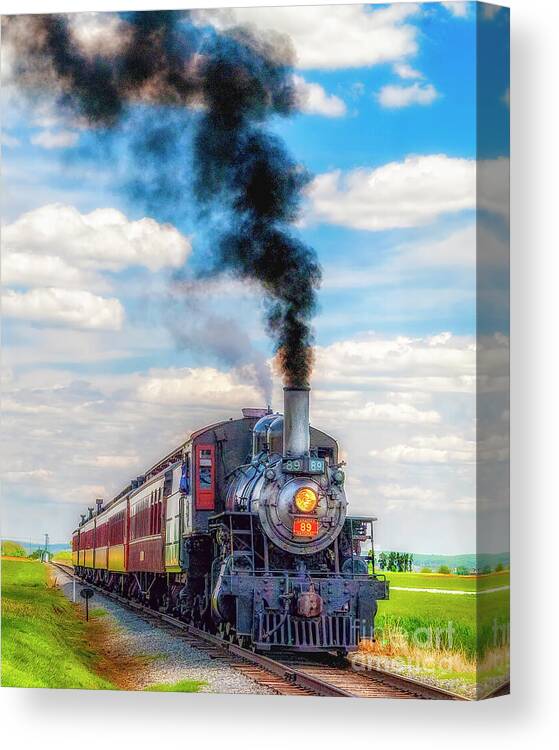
(101, 368)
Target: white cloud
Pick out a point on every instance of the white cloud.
(430, 449)
(442, 363)
(396, 491)
(488, 11)
(407, 498)
(314, 100)
(409, 193)
(194, 385)
(83, 495)
(406, 71)
(398, 413)
(331, 37)
(40, 475)
(456, 249)
(28, 269)
(8, 141)
(458, 9)
(423, 499)
(102, 239)
(111, 430)
(124, 461)
(397, 97)
(60, 139)
(99, 33)
(496, 447)
(494, 185)
(72, 308)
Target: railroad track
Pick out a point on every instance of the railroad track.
(288, 673)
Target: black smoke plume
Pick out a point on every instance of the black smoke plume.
(232, 84)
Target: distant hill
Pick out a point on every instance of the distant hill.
(469, 561)
(12, 549)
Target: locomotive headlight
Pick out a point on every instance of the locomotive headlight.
(306, 500)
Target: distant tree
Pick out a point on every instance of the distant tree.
(36, 554)
(397, 562)
(382, 561)
(444, 569)
(461, 570)
(12, 549)
(486, 569)
(425, 570)
(499, 567)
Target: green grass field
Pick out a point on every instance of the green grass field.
(64, 555)
(473, 619)
(43, 639)
(459, 640)
(454, 582)
(183, 686)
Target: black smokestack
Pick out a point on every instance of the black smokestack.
(296, 429)
(231, 84)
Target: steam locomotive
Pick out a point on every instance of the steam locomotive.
(243, 530)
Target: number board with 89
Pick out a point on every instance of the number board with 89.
(304, 465)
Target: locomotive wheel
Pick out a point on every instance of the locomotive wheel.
(197, 613)
(226, 632)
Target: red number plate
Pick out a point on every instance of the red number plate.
(305, 527)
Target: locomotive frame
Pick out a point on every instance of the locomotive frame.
(210, 534)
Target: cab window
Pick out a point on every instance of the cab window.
(205, 477)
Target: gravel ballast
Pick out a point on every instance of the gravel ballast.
(173, 658)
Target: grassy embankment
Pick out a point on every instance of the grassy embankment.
(12, 549)
(44, 641)
(449, 636)
(47, 643)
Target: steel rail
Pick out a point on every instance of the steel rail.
(291, 675)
